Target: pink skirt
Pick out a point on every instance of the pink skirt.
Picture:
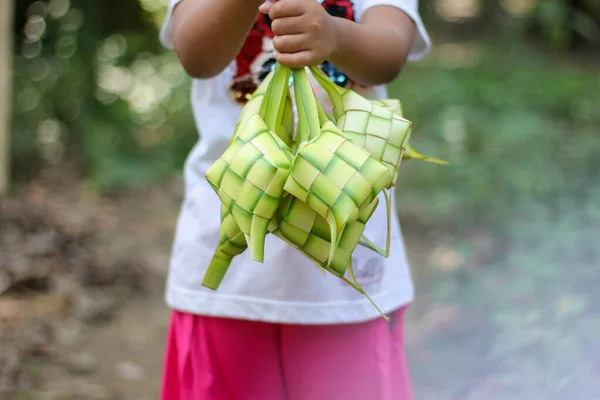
(226, 359)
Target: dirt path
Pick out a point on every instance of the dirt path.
(122, 358)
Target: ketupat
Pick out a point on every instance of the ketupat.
(379, 127)
(249, 179)
(331, 174)
(249, 176)
(374, 127)
(232, 240)
(335, 178)
(369, 124)
(315, 189)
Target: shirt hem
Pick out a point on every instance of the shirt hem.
(287, 312)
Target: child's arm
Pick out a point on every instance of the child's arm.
(208, 34)
(371, 52)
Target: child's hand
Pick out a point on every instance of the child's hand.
(304, 32)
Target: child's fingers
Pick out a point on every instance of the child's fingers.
(287, 8)
(288, 26)
(295, 60)
(290, 43)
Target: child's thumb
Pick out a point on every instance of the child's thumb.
(266, 6)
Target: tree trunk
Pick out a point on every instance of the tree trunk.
(6, 19)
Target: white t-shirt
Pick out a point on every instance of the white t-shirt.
(287, 287)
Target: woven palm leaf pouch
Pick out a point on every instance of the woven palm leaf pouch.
(314, 186)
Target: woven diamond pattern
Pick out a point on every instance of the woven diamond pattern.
(303, 228)
(335, 177)
(375, 128)
(249, 178)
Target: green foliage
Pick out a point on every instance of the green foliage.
(563, 23)
(558, 24)
(92, 85)
(520, 134)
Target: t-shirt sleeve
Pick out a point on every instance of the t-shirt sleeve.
(422, 43)
(166, 36)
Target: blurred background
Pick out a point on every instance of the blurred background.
(504, 242)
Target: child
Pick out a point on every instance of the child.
(281, 329)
